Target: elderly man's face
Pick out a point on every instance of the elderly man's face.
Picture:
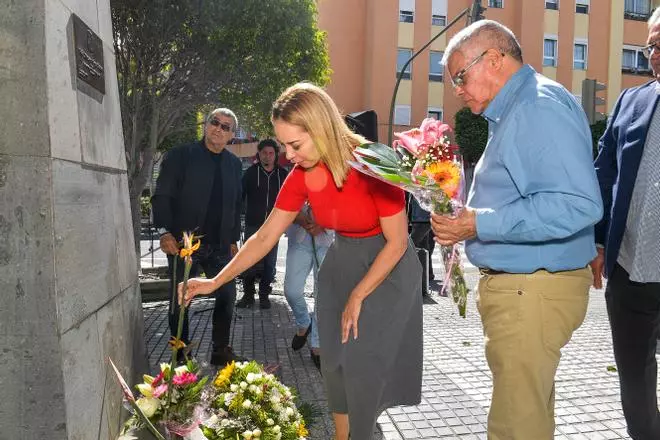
(653, 41)
(471, 78)
(220, 129)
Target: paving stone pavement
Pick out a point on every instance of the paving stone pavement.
(456, 383)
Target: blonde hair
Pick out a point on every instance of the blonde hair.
(312, 109)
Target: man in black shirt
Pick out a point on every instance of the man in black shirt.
(199, 189)
(261, 184)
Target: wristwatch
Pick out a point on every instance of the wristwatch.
(163, 231)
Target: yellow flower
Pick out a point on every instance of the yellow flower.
(446, 175)
(224, 375)
(302, 431)
(189, 245)
(176, 343)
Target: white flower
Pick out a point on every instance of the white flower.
(164, 367)
(254, 389)
(233, 387)
(148, 405)
(247, 435)
(277, 429)
(224, 422)
(244, 385)
(211, 421)
(256, 433)
(180, 370)
(250, 377)
(228, 398)
(247, 404)
(289, 411)
(270, 422)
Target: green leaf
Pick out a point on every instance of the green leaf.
(611, 368)
(384, 151)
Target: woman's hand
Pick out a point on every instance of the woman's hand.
(196, 286)
(350, 317)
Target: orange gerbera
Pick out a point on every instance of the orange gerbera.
(446, 175)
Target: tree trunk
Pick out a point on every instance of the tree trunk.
(143, 172)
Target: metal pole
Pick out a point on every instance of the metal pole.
(390, 132)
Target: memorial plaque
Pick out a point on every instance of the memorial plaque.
(88, 55)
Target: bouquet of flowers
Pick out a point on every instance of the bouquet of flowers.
(171, 401)
(248, 403)
(423, 162)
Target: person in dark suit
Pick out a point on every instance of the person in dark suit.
(199, 189)
(628, 240)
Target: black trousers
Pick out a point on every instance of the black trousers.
(422, 237)
(634, 312)
(269, 264)
(209, 259)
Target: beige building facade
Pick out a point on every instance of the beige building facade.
(567, 40)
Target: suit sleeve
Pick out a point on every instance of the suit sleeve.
(606, 170)
(236, 233)
(167, 186)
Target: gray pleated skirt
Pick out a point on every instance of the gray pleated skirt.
(383, 367)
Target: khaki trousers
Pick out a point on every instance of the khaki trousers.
(527, 319)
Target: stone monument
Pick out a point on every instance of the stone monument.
(68, 271)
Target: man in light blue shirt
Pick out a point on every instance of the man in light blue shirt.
(528, 224)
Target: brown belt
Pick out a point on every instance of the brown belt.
(486, 271)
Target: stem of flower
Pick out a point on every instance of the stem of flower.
(182, 312)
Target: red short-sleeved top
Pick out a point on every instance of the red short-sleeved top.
(353, 211)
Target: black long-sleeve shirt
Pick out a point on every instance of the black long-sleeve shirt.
(182, 198)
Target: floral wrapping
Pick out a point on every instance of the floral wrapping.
(423, 162)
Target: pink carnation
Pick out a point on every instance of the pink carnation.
(184, 379)
(159, 390)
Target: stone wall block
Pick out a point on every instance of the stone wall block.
(84, 383)
(23, 113)
(85, 246)
(62, 100)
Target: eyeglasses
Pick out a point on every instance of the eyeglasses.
(458, 80)
(225, 127)
(651, 49)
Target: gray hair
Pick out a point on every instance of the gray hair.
(224, 112)
(655, 18)
(485, 34)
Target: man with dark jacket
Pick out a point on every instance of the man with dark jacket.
(261, 184)
(199, 189)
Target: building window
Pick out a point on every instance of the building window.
(552, 4)
(634, 61)
(434, 113)
(402, 114)
(439, 20)
(550, 52)
(580, 56)
(637, 9)
(406, 16)
(403, 55)
(495, 3)
(582, 7)
(435, 69)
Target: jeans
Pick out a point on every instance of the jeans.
(634, 312)
(269, 269)
(209, 259)
(299, 262)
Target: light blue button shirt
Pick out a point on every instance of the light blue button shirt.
(535, 188)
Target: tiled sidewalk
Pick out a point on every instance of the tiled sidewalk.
(456, 382)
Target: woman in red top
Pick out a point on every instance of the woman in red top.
(369, 293)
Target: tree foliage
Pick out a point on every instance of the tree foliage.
(175, 58)
(471, 134)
